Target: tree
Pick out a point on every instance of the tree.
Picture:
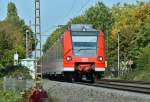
(130, 21)
(12, 36)
(11, 10)
(99, 16)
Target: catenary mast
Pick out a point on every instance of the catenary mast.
(38, 48)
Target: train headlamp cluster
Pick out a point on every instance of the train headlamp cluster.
(100, 58)
(68, 58)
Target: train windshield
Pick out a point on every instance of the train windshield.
(84, 43)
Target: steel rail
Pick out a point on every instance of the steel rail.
(138, 88)
(128, 81)
(124, 85)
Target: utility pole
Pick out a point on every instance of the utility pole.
(27, 33)
(38, 49)
(107, 49)
(118, 53)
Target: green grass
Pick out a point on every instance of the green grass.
(10, 96)
(53, 99)
(139, 74)
(1, 84)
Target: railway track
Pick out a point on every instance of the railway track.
(128, 81)
(131, 86)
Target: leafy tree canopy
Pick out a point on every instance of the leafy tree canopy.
(11, 10)
(130, 21)
(12, 36)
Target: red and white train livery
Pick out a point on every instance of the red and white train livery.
(78, 54)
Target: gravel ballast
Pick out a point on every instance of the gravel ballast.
(69, 92)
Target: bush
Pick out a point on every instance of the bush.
(15, 71)
(10, 96)
(142, 71)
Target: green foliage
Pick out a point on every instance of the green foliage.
(78, 20)
(144, 58)
(142, 72)
(132, 24)
(10, 96)
(53, 99)
(143, 38)
(12, 10)
(1, 84)
(15, 71)
(12, 37)
(130, 21)
(54, 36)
(99, 16)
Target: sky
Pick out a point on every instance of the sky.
(53, 12)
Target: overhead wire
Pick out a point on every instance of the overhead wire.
(47, 30)
(69, 11)
(83, 6)
(68, 14)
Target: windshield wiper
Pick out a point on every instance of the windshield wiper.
(86, 49)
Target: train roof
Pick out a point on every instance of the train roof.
(82, 27)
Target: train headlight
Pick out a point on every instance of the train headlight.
(68, 58)
(100, 58)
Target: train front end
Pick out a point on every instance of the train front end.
(84, 53)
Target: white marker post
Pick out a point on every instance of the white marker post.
(16, 58)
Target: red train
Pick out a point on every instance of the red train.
(78, 54)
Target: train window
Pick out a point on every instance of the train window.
(84, 44)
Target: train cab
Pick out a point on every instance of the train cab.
(84, 52)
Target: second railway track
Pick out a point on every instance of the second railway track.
(131, 86)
